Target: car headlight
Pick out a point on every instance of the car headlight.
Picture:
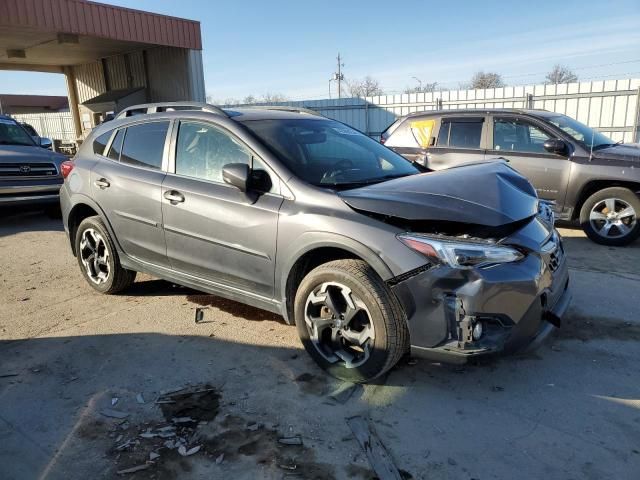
(460, 254)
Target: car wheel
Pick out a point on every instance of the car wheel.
(98, 258)
(349, 321)
(610, 216)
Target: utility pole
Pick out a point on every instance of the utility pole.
(338, 76)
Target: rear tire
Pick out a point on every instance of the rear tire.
(98, 258)
(368, 335)
(610, 216)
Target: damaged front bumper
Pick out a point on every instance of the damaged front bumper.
(455, 314)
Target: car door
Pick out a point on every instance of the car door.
(521, 141)
(126, 183)
(459, 141)
(213, 230)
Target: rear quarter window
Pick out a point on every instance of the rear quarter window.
(100, 142)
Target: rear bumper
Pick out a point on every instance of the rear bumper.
(519, 306)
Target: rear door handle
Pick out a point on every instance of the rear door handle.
(174, 196)
(102, 183)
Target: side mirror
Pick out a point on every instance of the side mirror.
(46, 143)
(557, 146)
(237, 174)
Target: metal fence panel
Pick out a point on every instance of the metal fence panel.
(54, 125)
(610, 106)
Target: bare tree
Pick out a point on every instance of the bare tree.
(273, 98)
(560, 74)
(249, 99)
(486, 80)
(367, 87)
(423, 88)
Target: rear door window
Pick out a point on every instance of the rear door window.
(144, 145)
(462, 133)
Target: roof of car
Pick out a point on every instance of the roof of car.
(476, 111)
(242, 114)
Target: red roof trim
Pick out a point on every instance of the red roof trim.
(107, 21)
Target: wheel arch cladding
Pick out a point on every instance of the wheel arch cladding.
(594, 186)
(85, 208)
(318, 254)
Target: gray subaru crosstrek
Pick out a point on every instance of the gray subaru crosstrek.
(301, 215)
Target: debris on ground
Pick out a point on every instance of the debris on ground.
(220, 459)
(344, 392)
(114, 400)
(109, 412)
(133, 469)
(295, 440)
(140, 398)
(377, 454)
(182, 450)
(9, 374)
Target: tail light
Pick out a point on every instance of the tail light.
(382, 140)
(66, 167)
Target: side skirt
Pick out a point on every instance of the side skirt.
(198, 283)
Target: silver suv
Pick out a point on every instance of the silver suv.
(29, 173)
(301, 215)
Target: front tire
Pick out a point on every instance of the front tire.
(610, 216)
(349, 321)
(98, 258)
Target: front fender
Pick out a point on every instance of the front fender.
(310, 241)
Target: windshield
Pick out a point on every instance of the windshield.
(13, 134)
(329, 154)
(589, 137)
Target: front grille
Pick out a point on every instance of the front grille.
(554, 250)
(28, 169)
(554, 259)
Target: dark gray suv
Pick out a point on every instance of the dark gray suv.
(589, 177)
(304, 216)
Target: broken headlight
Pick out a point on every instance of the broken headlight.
(460, 254)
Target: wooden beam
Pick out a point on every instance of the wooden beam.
(379, 458)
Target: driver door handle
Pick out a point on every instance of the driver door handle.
(174, 196)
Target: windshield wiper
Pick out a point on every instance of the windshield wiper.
(606, 145)
(366, 181)
(8, 142)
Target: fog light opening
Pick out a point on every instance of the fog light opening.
(478, 330)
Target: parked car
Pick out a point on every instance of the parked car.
(301, 215)
(589, 177)
(44, 142)
(28, 174)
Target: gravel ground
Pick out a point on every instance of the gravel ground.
(71, 360)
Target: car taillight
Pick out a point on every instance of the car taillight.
(382, 140)
(65, 168)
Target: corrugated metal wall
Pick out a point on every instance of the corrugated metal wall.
(175, 74)
(54, 125)
(611, 106)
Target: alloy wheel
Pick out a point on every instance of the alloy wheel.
(94, 255)
(612, 218)
(339, 324)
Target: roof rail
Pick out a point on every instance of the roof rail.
(285, 108)
(147, 108)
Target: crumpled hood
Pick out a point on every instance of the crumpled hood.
(490, 193)
(25, 153)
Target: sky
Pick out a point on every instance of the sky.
(255, 47)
